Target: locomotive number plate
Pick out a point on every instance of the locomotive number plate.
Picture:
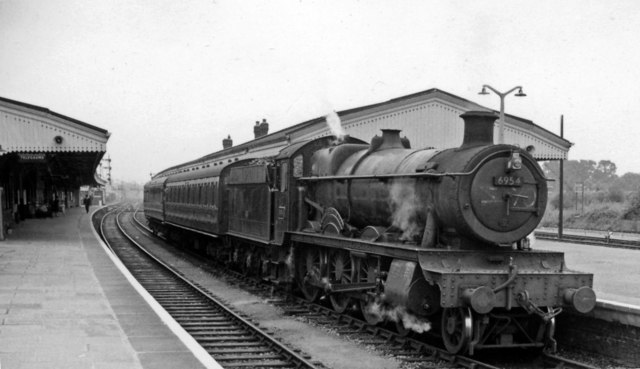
(508, 181)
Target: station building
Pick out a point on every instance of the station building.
(429, 118)
(44, 159)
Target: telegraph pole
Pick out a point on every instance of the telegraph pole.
(561, 208)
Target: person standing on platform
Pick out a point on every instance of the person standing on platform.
(87, 202)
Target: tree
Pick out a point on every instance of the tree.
(629, 182)
(604, 174)
(595, 176)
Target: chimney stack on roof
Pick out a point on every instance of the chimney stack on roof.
(256, 129)
(264, 127)
(227, 142)
(261, 129)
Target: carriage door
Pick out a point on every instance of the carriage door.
(280, 208)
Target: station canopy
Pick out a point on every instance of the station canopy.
(67, 149)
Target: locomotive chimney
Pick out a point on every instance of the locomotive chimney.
(227, 142)
(478, 128)
(390, 140)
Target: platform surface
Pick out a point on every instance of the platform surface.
(64, 304)
(616, 271)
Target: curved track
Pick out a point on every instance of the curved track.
(232, 340)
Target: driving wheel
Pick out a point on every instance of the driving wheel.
(310, 273)
(340, 272)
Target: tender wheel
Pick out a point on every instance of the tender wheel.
(254, 261)
(340, 272)
(244, 262)
(457, 329)
(310, 273)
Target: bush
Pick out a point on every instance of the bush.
(615, 194)
(633, 210)
(569, 200)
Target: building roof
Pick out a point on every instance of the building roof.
(71, 149)
(521, 131)
(52, 113)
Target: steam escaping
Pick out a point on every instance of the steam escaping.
(335, 125)
(405, 204)
(532, 240)
(398, 314)
(289, 263)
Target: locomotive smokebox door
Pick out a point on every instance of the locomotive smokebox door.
(406, 286)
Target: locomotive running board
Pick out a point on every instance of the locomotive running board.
(391, 250)
(457, 270)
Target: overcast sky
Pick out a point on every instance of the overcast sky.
(170, 79)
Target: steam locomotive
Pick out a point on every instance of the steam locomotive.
(422, 238)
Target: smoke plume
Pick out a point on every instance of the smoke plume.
(334, 124)
(398, 314)
(404, 205)
(532, 240)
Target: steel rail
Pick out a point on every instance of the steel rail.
(201, 317)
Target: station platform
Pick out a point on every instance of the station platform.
(616, 271)
(64, 304)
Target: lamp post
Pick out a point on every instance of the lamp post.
(502, 96)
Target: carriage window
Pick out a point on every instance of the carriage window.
(298, 166)
(284, 173)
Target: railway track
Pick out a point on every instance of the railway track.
(413, 352)
(231, 339)
(589, 240)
